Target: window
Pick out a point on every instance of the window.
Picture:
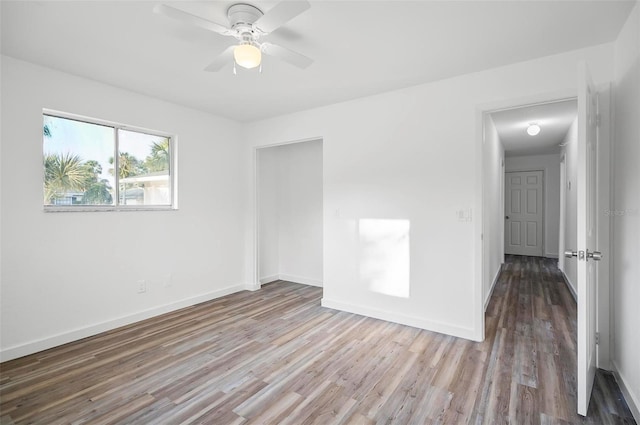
(97, 165)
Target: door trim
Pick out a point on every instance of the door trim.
(605, 197)
(563, 217)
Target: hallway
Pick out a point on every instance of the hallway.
(531, 324)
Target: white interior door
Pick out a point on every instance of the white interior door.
(523, 213)
(587, 253)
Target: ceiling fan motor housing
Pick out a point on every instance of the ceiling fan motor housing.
(243, 15)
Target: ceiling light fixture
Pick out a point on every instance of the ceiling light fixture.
(247, 55)
(533, 129)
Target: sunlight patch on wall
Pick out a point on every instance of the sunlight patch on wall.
(384, 256)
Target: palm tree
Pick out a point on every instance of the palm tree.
(158, 159)
(63, 173)
(97, 192)
(128, 165)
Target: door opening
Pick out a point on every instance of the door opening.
(583, 197)
(532, 182)
(559, 161)
(289, 216)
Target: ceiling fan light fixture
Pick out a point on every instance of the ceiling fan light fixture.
(533, 129)
(247, 56)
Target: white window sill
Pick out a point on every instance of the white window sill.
(59, 209)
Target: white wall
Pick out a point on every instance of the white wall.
(414, 155)
(570, 152)
(269, 232)
(550, 164)
(493, 240)
(290, 196)
(626, 217)
(300, 212)
(69, 275)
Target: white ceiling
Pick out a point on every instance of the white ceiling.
(360, 47)
(554, 120)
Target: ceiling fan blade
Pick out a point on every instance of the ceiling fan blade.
(280, 14)
(221, 60)
(286, 55)
(181, 15)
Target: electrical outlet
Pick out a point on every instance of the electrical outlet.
(142, 286)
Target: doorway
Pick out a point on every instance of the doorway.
(506, 148)
(289, 215)
(570, 157)
(534, 138)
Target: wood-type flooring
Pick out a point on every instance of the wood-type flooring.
(276, 356)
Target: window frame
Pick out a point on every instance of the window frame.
(173, 175)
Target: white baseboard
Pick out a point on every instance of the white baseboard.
(629, 397)
(416, 322)
(493, 285)
(300, 279)
(548, 255)
(84, 332)
(269, 279)
(291, 278)
(570, 286)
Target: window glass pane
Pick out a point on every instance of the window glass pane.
(77, 158)
(143, 161)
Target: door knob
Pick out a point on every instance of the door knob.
(596, 255)
(506, 217)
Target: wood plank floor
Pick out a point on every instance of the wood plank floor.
(276, 357)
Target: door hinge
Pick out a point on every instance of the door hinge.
(597, 338)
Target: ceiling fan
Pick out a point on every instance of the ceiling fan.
(248, 25)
